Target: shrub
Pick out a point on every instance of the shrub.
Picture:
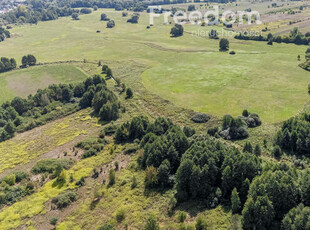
(86, 11)
(116, 165)
(53, 221)
(232, 52)
(188, 131)
(257, 150)
(29, 60)
(61, 178)
(111, 177)
(248, 147)
(64, 199)
(181, 217)
(276, 151)
(245, 113)
(129, 93)
(134, 182)
(80, 182)
(104, 17)
(19, 176)
(177, 30)
(110, 24)
(151, 177)
(50, 165)
(224, 44)
(120, 215)
(110, 130)
(75, 16)
(200, 223)
(89, 153)
(252, 120)
(102, 134)
(30, 187)
(233, 128)
(134, 19)
(9, 179)
(200, 118)
(151, 223)
(213, 131)
(131, 149)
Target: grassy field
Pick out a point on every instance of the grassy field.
(189, 71)
(25, 147)
(26, 81)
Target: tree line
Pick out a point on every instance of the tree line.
(23, 114)
(295, 37)
(7, 64)
(294, 135)
(35, 11)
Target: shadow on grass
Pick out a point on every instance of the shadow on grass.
(58, 183)
(194, 207)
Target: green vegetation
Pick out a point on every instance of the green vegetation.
(28, 81)
(122, 157)
(25, 114)
(50, 165)
(110, 24)
(64, 199)
(203, 77)
(294, 134)
(4, 34)
(224, 44)
(7, 64)
(22, 149)
(177, 30)
(29, 60)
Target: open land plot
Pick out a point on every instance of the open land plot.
(189, 70)
(26, 81)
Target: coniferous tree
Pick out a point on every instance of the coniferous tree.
(235, 201)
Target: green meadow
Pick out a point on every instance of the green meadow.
(189, 71)
(26, 81)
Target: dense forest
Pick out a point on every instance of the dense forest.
(205, 169)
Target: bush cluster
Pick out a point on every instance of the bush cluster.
(7, 64)
(50, 165)
(4, 34)
(200, 118)
(65, 199)
(91, 146)
(24, 114)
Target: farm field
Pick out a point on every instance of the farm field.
(263, 79)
